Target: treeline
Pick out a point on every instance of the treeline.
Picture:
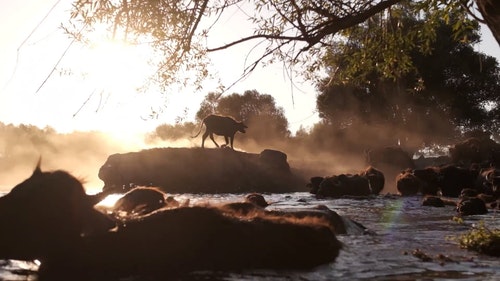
(444, 93)
(81, 153)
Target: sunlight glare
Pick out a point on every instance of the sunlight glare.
(115, 65)
(109, 201)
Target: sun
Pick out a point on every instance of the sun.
(116, 65)
(110, 79)
(121, 69)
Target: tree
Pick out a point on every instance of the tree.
(172, 132)
(490, 11)
(444, 90)
(292, 32)
(258, 111)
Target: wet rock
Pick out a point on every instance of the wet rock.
(197, 170)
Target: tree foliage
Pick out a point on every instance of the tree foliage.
(291, 32)
(433, 94)
(264, 118)
(170, 132)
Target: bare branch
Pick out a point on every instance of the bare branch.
(264, 36)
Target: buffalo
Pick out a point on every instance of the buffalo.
(449, 179)
(471, 206)
(375, 178)
(452, 179)
(339, 224)
(429, 178)
(344, 185)
(142, 200)
(46, 216)
(314, 183)
(49, 217)
(408, 184)
(433, 201)
(367, 182)
(488, 181)
(222, 126)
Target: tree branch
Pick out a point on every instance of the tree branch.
(336, 25)
(249, 38)
(318, 32)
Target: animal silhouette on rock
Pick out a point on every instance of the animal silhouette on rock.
(222, 126)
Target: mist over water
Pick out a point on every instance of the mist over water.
(83, 153)
(401, 224)
(79, 153)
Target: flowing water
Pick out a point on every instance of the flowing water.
(400, 225)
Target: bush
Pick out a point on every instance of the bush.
(481, 239)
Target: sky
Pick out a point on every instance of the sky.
(94, 89)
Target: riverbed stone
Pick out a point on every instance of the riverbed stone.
(198, 170)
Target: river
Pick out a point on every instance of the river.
(400, 226)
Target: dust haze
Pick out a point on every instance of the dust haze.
(320, 151)
(80, 153)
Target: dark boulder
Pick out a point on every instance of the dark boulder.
(197, 170)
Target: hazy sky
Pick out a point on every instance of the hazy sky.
(101, 96)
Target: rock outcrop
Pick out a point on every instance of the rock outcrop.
(197, 170)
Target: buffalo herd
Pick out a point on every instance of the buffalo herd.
(471, 174)
(49, 218)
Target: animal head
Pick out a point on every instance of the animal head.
(44, 214)
(241, 127)
(491, 181)
(140, 201)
